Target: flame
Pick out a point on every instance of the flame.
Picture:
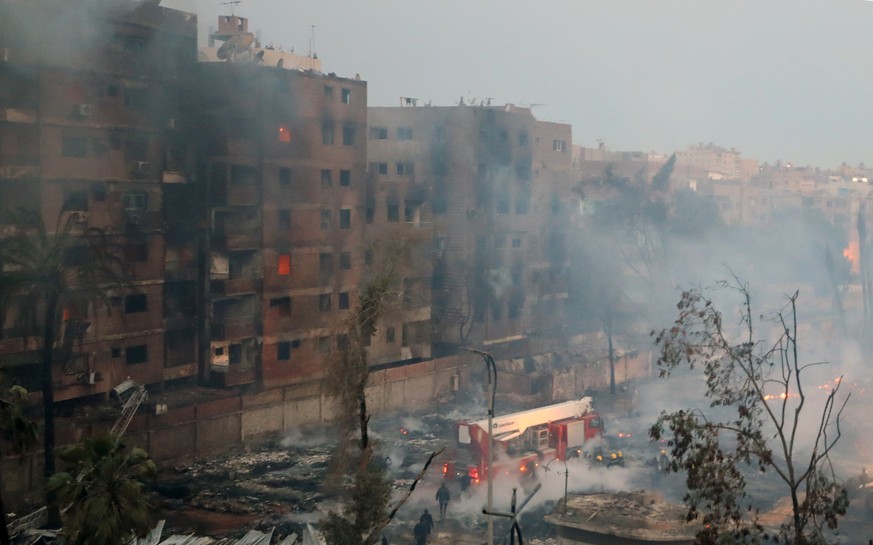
(851, 252)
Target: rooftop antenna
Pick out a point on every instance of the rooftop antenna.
(231, 3)
(312, 48)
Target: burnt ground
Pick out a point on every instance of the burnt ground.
(284, 482)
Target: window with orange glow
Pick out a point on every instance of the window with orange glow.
(284, 264)
(284, 133)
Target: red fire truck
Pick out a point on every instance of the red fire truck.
(524, 439)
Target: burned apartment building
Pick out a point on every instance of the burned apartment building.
(487, 185)
(88, 103)
(282, 163)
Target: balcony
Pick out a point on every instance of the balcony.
(234, 286)
(224, 330)
(237, 240)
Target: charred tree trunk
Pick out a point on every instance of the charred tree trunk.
(49, 334)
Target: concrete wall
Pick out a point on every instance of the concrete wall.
(209, 427)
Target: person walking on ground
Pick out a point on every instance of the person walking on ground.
(427, 520)
(420, 532)
(443, 497)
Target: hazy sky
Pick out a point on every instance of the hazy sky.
(776, 79)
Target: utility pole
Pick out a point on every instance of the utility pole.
(514, 528)
(492, 382)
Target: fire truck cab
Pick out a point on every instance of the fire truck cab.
(524, 439)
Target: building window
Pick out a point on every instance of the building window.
(324, 302)
(136, 354)
(284, 133)
(138, 302)
(325, 218)
(348, 136)
(378, 133)
(344, 300)
(116, 352)
(404, 335)
(285, 218)
(345, 178)
(74, 146)
(389, 334)
(409, 212)
(136, 99)
(284, 265)
(345, 216)
(135, 201)
(323, 345)
(559, 145)
(325, 263)
(368, 257)
(282, 305)
(522, 138)
(136, 252)
(393, 212)
(327, 133)
(379, 168)
(522, 173)
(504, 136)
(283, 351)
(405, 169)
(499, 242)
(404, 133)
(76, 201)
(284, 176)
(370, 213)
(243, 175)
(516, 243)
(234, 354)
(326, 178)
(345, 260)
(347, 96)
(328, 92)
(503, 203)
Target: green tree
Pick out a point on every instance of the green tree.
(761, 418)
(365, 512)
(19, 433)
(45, 274)
(103, 491)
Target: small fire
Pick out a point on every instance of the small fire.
(768, 397)
(851, 253)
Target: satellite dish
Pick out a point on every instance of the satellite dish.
(238, 43)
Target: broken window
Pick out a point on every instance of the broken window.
(559, 145)
(282, 305)
(347, 96)
(284, 133)
(344, 300)
(283, 351)
(324, 302)
(327, 133)
(138, 302)
(348, 136)
(284, 265)
(345, 216)
(325, 263)
(285, 218)
(326, 177)
(284, 176)
(74, 146)
(345, 179)
(409, 209)
(345, 261)
(393, 212)
(136, 354)
(325, 218)
(378, 133)
(234, 354)
(404, 133)
(243, 175)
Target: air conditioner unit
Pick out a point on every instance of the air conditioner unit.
(84, 109)
(160, 408)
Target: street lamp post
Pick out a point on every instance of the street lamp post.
(566, 479)
(492, 382)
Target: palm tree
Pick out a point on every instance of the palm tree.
(103, 491)
(19, 434)
(43, 276)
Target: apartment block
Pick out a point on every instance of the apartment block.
(88, 101)
(282, 163)
(486, 180)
